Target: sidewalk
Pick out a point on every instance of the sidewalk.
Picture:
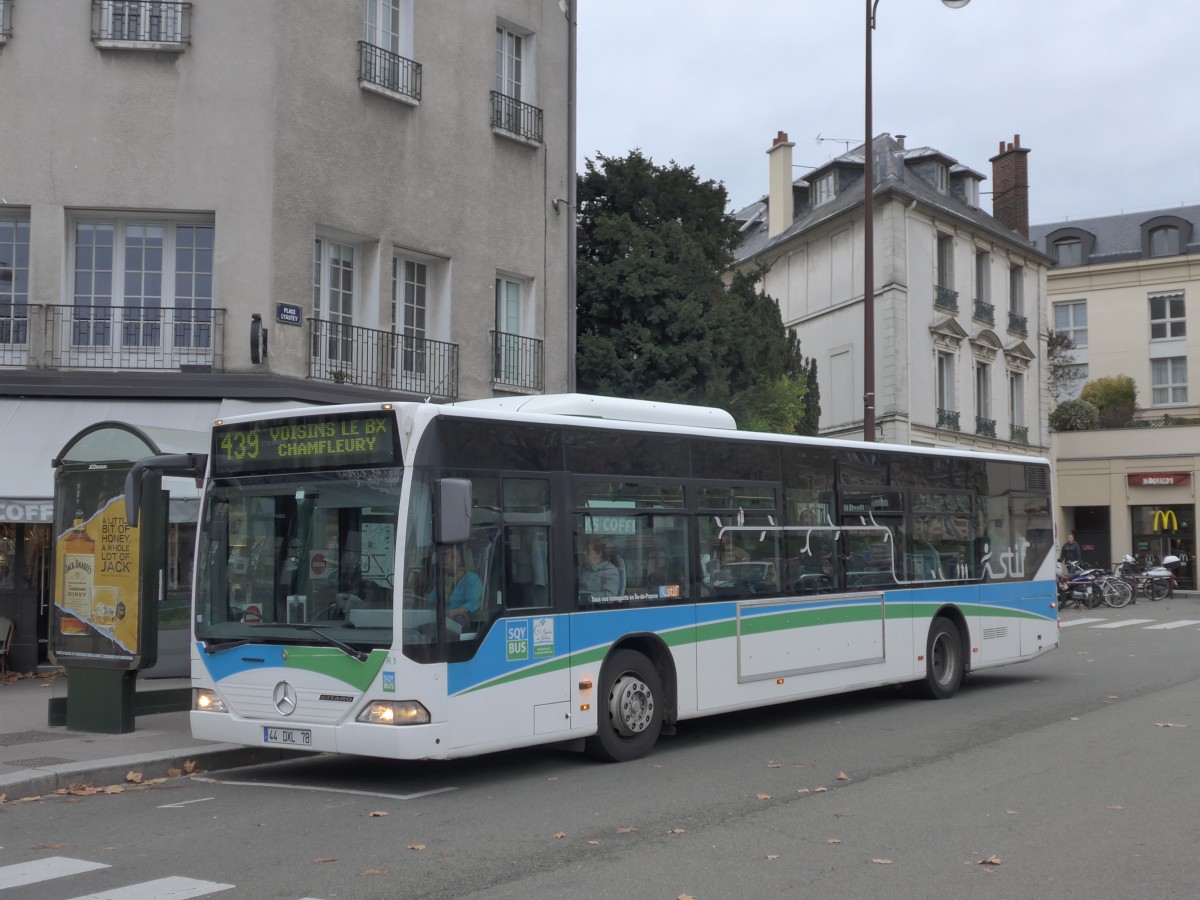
(36, 758)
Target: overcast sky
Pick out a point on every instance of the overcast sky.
(1103, 92)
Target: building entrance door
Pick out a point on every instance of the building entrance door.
(1160, 531)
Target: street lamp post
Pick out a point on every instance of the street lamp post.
(869, 236)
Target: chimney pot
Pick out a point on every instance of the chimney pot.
(779, 138)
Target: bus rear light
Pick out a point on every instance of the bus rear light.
(205, 700)
(585, 684)
(394, 712)
(584, 707)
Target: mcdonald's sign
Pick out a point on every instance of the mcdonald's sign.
(1165, 517)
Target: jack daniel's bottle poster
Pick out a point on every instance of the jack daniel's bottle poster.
(79, 566)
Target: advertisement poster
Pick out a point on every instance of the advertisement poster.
(96, 572)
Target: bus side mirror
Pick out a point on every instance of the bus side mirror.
(452, 502)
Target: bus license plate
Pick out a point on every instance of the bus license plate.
(292, 737)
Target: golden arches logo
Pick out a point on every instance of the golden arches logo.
(1165, 517)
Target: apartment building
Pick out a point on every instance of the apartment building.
(216, 205)
(959, 293)
(1123, 287)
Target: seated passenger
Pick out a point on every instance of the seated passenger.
(598, 577)
(464, 589)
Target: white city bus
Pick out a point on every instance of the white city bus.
(413, 581)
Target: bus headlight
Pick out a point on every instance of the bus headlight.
(205, 700)
(394, 712)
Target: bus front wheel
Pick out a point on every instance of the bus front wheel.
(630, 708)
(943, 661)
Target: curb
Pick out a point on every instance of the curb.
(39, 782)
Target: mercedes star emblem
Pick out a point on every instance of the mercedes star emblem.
(285, 698)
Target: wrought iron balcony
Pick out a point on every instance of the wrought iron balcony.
(1018, 323)
(390, 72)
(351, 354)
(141, 24)
(948, 419)
(134, 337)
(14, 332)
(1018, 434)
(985, 427)
(513, 116)
(944, 298)
(5, 20)
(517, 361)
(985, 312)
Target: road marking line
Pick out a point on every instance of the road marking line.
(308, 787)
(37, 870)
(1077, 622)
(1126, 624)
(172, 888)
(1182, 623)
(184, 803)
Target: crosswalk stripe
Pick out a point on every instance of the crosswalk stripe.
(1182, 623)
(174, 888)
(20, 874)
(1125, 624)
(1078, 622)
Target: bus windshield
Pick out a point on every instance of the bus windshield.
(283, 551)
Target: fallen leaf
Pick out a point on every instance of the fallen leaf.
(764, 796)
(803, 791)
(174, 773)
(135, 777)
(772, 856)
(325, 859)
(882, 862)
(834, 841)
(821, 790)
(371, 873)
(1114, 807)
(552, 778)
(677, 831)
(50, 847)
(992, 860)
(560, 835)
(28, 799)
(155, 781)
(416, 846)
(1011, 812)
(801, 765)
(842, 776)
(190, 766)
(3, 798)
(774, 766)
(1074, 718)
(1169, 725)
(624, 829)
(378, 814)
(685, 897)
(594, 843)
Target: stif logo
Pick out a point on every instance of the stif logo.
(1165, 517)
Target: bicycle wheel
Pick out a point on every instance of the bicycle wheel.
(1115, 592)
(1159, 588)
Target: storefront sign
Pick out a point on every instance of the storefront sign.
(26, 510)
(1166, 520)
(1158, 479)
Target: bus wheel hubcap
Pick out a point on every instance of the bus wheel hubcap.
(631, 704)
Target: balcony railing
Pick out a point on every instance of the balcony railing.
(141, 24)
(351, 354)
(14, 332)
(389, 71)
(517, 361)
(985, 427)
(1018, 434)
(944, 298)
(948, 419)
(1018, 323)
(985, 312)
(135, 337)
(5, 20)
(515, 117)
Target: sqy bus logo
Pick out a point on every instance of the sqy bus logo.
(516, 637)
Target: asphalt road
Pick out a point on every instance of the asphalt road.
(1068, 777)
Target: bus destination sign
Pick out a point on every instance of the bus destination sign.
(307, 442)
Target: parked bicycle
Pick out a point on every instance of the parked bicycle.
(1155, 582)
(1088, 586)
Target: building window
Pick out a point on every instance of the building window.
(1164, 241)
(1016, 399)
(513, 93)
(944, 294)
(386, 46)
(1071, 319)
(5, 20)
(939, 176)
(825, 189)
(410, 290)
(518, 360)
(984, 423)
(333, 309)
(148, 24)
(1167, 319)
(142, 283)
(1068, 252)
(947, 411)
(14, 286)
(1169, 380)
(1017, 321)
(983, 276)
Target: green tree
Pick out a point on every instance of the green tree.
(1075, 415)
(1062, 373)
(656, 319)
(1115, 397)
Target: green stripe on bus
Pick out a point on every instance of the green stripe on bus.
(333, 663)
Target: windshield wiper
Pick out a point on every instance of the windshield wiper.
(360, 655)
(227, 645)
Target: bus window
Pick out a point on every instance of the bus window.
(631, 560)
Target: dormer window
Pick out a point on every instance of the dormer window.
(1068, 252)
(1164, 241)
(825, 189)
(940, 176)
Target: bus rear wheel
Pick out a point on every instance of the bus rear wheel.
(943, 661)
(630, 708)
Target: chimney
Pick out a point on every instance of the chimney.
(780, 205)
(1010, 186)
